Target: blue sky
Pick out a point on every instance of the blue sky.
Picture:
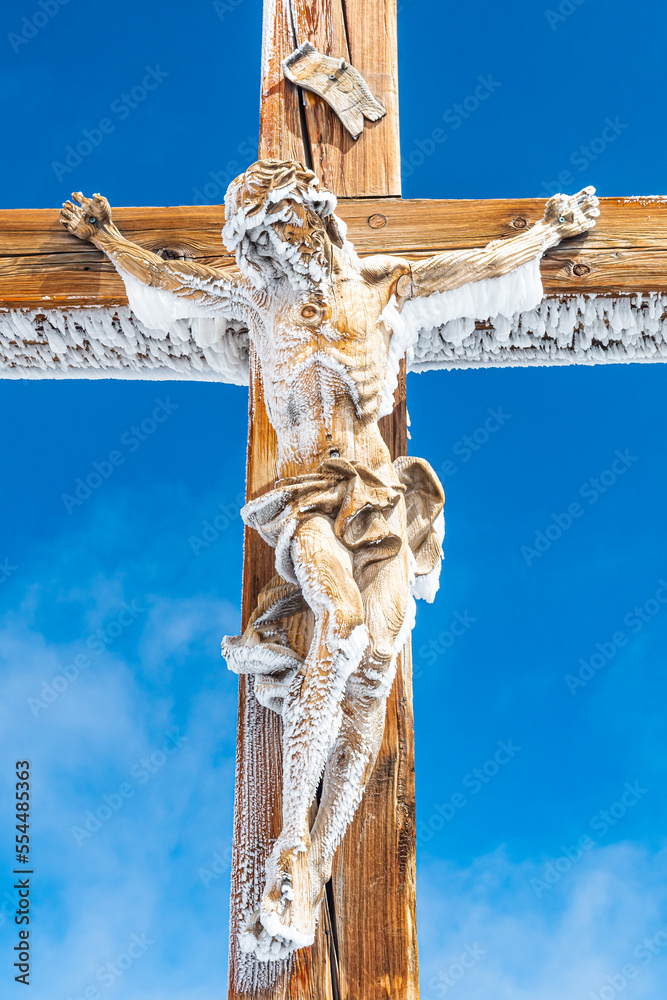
(153, 712)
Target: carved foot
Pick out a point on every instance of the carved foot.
(255, 939)
(288, 914)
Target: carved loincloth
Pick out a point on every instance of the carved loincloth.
(358, 503)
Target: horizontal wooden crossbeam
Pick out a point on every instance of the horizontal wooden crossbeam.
(42, 266)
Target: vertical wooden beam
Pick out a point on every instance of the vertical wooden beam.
(281, 132)
(374, 877)
(364, 34)
(365, 947)
(298, 125)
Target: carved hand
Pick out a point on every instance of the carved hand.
(569, 215)
(86, 218)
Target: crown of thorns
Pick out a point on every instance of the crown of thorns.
(268, 190)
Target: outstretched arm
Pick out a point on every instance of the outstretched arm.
(91, 220)
(564, 216)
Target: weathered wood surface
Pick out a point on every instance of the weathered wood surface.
(42, 266)
(300, 125)
(281, 125)
(336, 82)
(412, 224)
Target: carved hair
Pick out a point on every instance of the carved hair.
(271, 191)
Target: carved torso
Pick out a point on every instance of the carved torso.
(323, 357)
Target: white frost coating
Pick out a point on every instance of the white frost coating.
(323, 366)
(381, 680)
(279, 940)
(401, 342)
(512, 293)
(283, 557)
(157, 308)
(402, 637)
(261, 254)
(426, 587)
(114, 343)
(273, 945)
(576, 329)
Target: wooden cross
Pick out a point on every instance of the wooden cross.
(365, 946)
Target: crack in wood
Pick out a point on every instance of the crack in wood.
(333, 940)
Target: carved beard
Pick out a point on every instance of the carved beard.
(285, 239)
(290, 250)
(312, 244)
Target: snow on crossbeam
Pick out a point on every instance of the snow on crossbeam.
(113, 343)
(575, 329)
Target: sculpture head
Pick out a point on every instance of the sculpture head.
(281, 224)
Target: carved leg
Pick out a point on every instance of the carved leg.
(311, 717)
(346, 775)
(354, 752)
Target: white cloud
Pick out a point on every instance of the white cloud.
(565, 944)
(138, 871)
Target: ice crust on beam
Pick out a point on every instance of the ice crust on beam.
(578, 329)
(512, 293)
(505, 321)
(113, 343)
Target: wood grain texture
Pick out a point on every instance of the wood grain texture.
(42, 266)
(323, 24)
(373, 41)
(281, 133)
(194, 229)
(432, 225)
(340, 85)
(81, 280)
(374, 879)
(417, 224)
(298, 125)
(366, 38)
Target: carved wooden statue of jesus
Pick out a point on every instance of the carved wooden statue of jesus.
(356, 536)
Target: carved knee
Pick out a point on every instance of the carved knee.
(324, 570)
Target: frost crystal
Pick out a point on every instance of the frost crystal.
(113, 343)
